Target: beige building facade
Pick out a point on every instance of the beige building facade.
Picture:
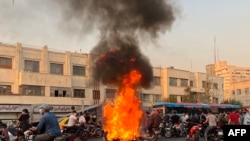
(175, 82)
(232, 76)
(240, 91)
(32, 75)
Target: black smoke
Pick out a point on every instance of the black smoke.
(121, 23)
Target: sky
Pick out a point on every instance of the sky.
(201, 28)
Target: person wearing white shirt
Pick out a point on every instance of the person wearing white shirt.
(82, 119)
(72, 119)
(246, 120)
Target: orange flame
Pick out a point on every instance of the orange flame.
(122, 119)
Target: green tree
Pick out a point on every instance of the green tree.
(233, 102)
(194, 97)
(172, 99)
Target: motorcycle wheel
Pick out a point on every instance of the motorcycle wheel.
(83, 136)
(168, 134)
(196, 136)
(98, 133)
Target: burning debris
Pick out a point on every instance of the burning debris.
(122, 23)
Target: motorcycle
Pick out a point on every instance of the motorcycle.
(216, 134)
(76, 131)
(173, 130)
(183, 129)
(194, 132)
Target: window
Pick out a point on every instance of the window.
(5, 89)
(156, 97)
(5, 63)
(145, 97)
(56, 68)
(60, 92)
(110, 93)
(156, 80)
(246, 90)
(79, 93)
(32, 90)
(172, 81)
(184, 82)
(238, 91)
(215, 86)
(32, 66)
(233, 92)
(204, 84)
(79, 70)
(96, 94)
(191, 83)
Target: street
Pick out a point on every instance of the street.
(159, 139)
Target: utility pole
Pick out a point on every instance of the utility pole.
(215, 50)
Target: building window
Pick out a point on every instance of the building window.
(79, 70)
(30, 90)
(110, 93)
(233, 92)
(156, 80)
(60, 92)
(96, 94)
(184, 82)
(56, 68)
(79, 93)
(238, 91)
(172, 81)
(191, 83)
(215, 86)
(5, 89)
(5, 63)
(32, 66)
(145, 97)
(204, 84)
(156, 97)
(246, 90)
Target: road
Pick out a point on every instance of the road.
(159, 139)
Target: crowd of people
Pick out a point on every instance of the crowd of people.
(235, 117)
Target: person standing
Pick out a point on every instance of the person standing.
(234, 118)
(48, 126)
(212, 122)
(247, 118)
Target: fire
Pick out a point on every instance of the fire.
(122, 118)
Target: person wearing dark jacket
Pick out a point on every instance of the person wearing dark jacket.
(48, 126)
(23, 121)
(155, 120)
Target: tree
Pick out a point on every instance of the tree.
(172, 99)
(194, 97)
(233, 102)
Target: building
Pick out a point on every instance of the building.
(32, 75)
(231, 75)
(175, 81)
(240, 91)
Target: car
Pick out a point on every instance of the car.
(63, 122)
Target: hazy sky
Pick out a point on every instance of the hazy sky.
(188, 45)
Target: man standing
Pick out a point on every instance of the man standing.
(212, 122)
(48, 125)
(247, 118)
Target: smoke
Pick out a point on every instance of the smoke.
(121, 23)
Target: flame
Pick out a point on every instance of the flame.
(122, 118)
